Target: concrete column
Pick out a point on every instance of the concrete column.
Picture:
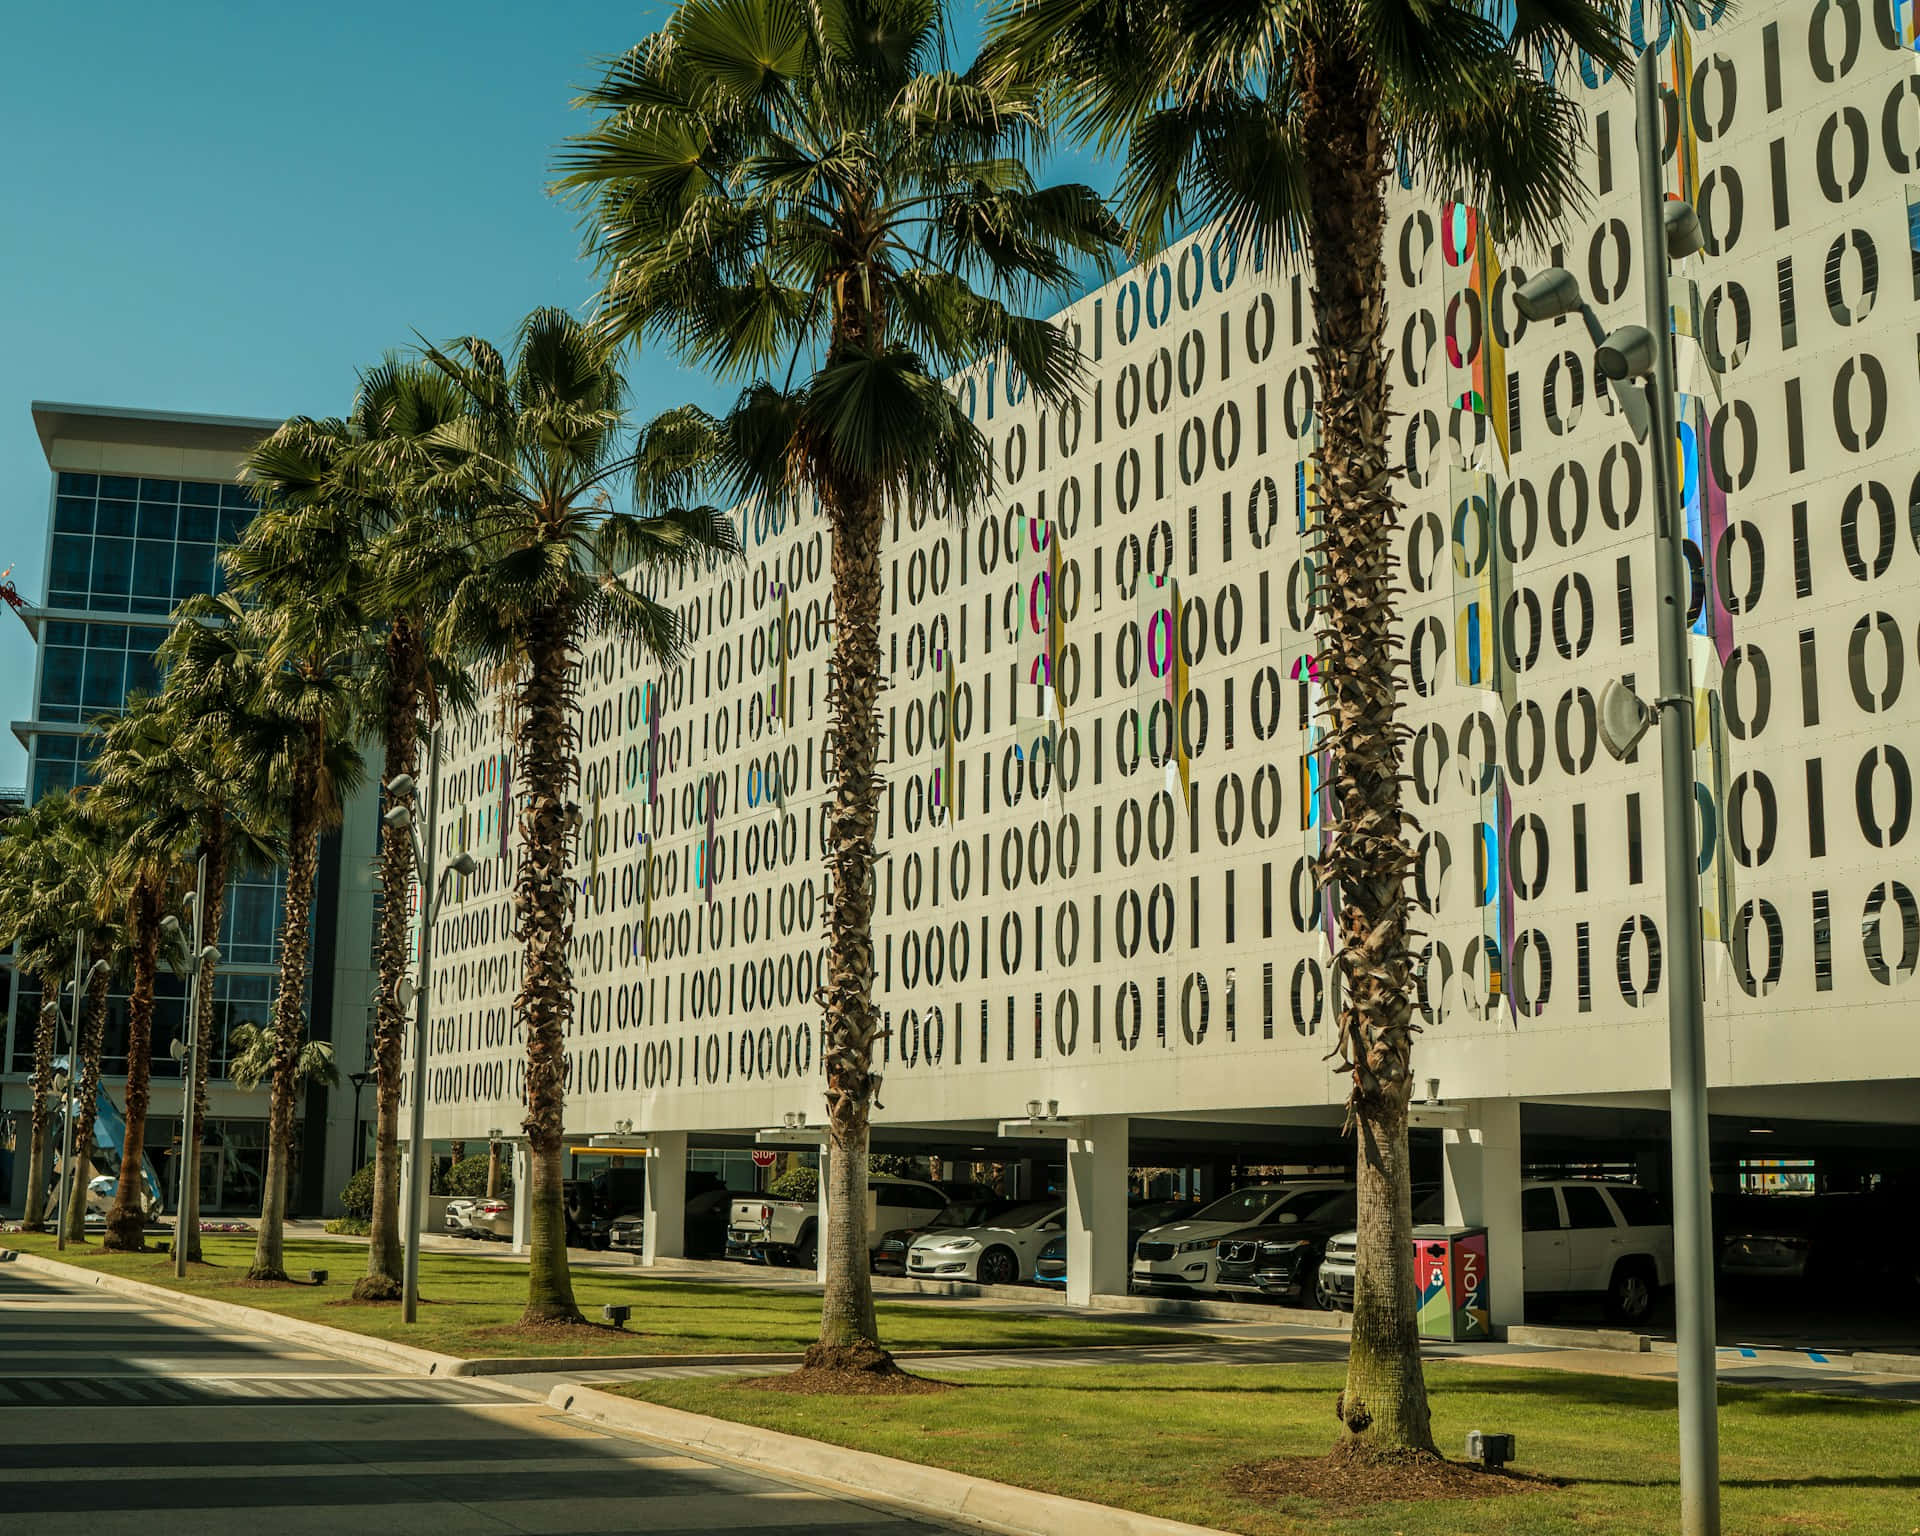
(522, 1192)
(1097, 1210)
(820, 1220)
(665, 1234)
(1481, 1176)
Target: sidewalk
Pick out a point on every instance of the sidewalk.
(1222, 1333)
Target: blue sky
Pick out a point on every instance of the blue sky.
(228, 207)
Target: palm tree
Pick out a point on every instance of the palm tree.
(232, 822)
(528, 470)
(36, 917)
(137, 771)
(252, 1053)
(777, 185)
(1283, 122)
(300, 652)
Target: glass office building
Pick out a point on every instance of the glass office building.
(142, 503)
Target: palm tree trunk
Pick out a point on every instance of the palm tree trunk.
(548, 761)
(1366, 864)
(127, 1221)
(405, 667)
(93, 1031)
(849, 1333)
(214, 841)
(289, 1012)
(493, 1170)
(34, 1217)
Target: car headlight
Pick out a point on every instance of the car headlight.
(956, 1245)
(1199, 1245)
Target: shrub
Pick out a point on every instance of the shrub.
(796, 1184)
(357, 1198)
(349, 1226)
(469, 1176)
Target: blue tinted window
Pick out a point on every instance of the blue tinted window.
(106, 680)
(160, 490)
(124, 487)
(112, 572)
(198, 493)
(157, 521)
(78, 485)
(60, 676)
(199, 523)
(114, 517)
(71, 554)
(73, 515)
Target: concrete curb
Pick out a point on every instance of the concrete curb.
(1581, 1338)
(1879, 1363)
(929, 1490)
(335, 1341)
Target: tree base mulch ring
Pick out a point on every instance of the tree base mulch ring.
(376, 1288)
(1347, 1478)
(849, 1370)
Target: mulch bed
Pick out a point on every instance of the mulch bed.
(1350, 1481)
(853, 1370)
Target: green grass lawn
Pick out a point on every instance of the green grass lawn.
(1159, 1438)
(469, 1306)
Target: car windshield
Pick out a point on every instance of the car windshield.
(967, 1213)
(1246, 1204)
(1031, 1214)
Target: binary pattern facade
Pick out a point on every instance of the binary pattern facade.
(1102, 794)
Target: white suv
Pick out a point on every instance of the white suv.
(1579, 1237)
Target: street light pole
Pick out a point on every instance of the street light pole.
(417, 1109)
(189, 1105)
(73, 1082)
(1686, 1024)
(359, 1081)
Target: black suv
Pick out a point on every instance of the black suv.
(1283, 1261)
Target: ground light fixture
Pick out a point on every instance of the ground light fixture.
(617, 1315)
(1489, 1450)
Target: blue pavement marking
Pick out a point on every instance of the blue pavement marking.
(1749, 1354)
(1816, 1357)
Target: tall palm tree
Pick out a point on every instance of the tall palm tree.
(1283, 119)
(137, 772)
(299, 743)
(528, 470)
(233, 823)
(776, 187)
(36, 914)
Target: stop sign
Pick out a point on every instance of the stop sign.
(763, 1158)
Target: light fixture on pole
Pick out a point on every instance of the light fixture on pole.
(412, 992)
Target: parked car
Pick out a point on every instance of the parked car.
(613, 1194)
(784, 1231)
(1862, 1241)
(455, 1218)
(491, 1216)
(1183, 1256)
(1050, 1266)
(1285, 1265)
(998, 1252)
(1333, 1281)
(706, 1224)
(1580, 1238)
(890, 1255)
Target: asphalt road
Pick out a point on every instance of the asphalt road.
(116, 1420)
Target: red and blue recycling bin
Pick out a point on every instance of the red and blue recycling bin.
(1450, 1269)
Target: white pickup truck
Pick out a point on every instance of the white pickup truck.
(786, 1231)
